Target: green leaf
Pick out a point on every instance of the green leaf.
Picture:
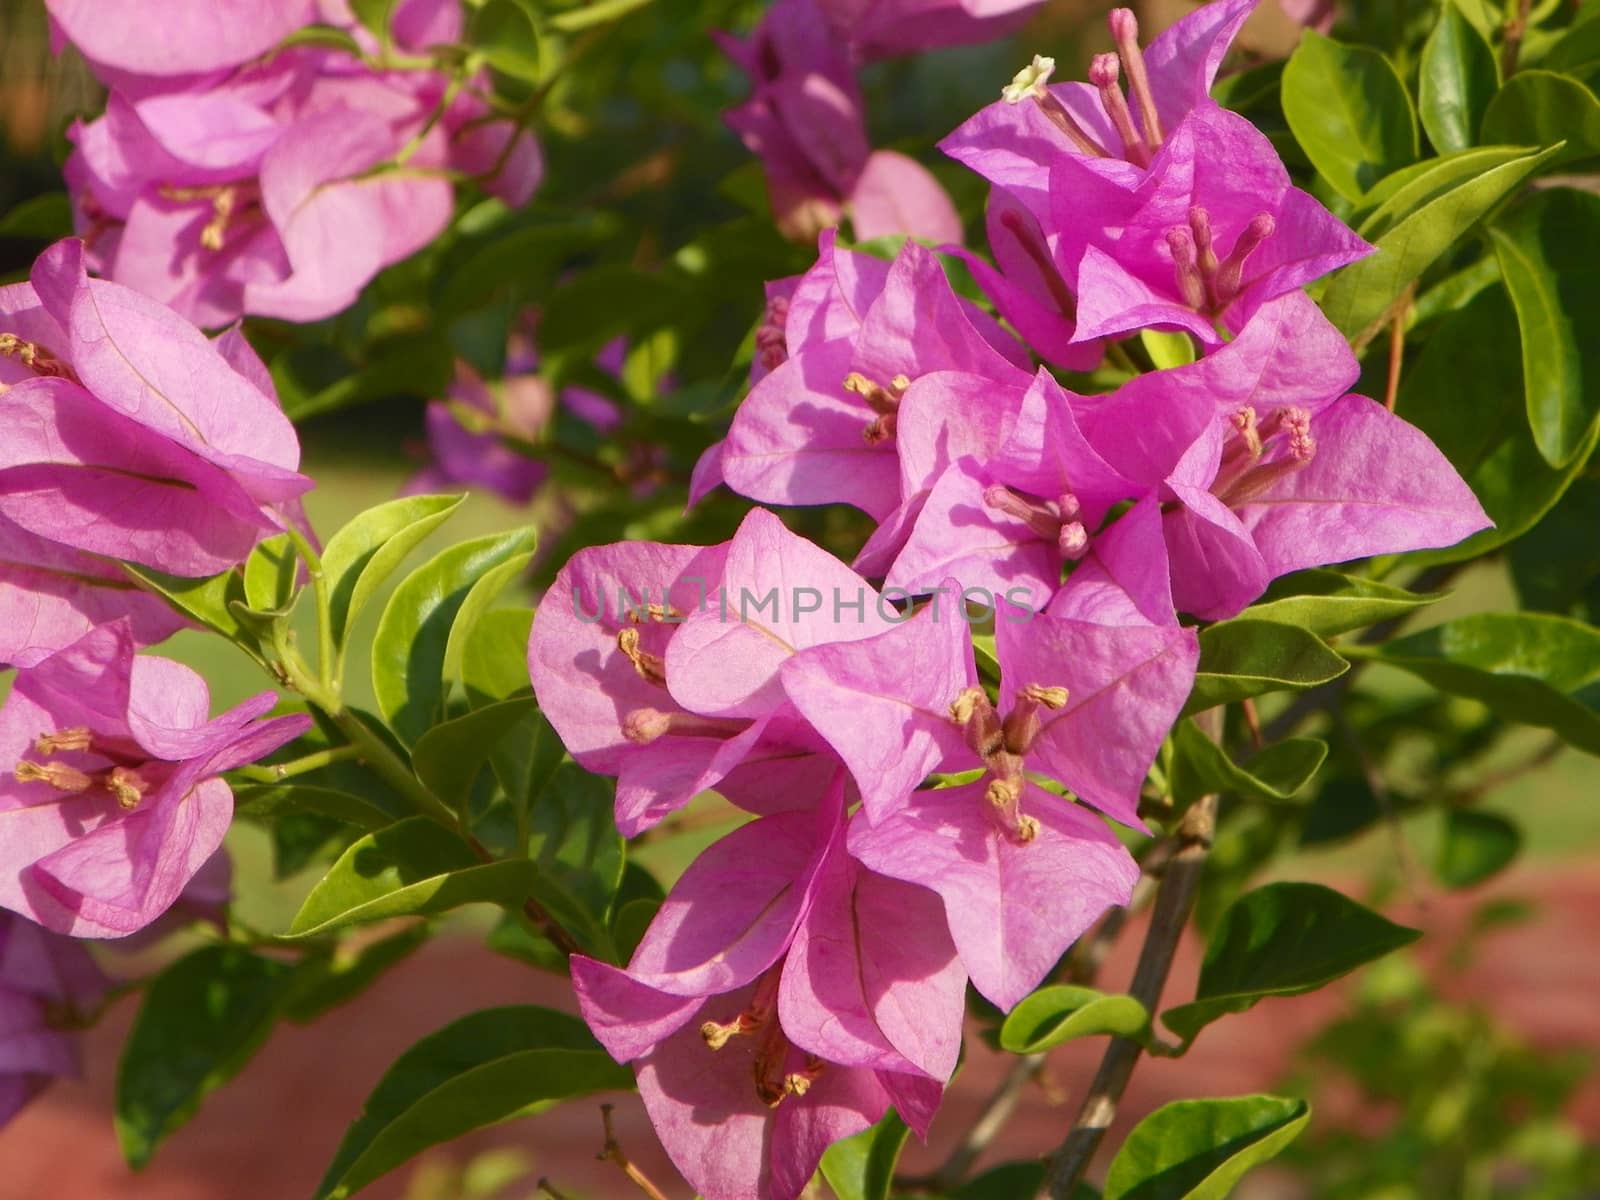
(1328, 603)
(329, 37)
(574, 836)
(1475, 846)
(494, 660)
(1557, 297)
(479, 602)
(270, 801)
(1540, 108)
(862, 1167)
(631, 922)
(47, 216)
(1242, 657)
(200, 1021)
(1275, 774)
(1168, 349)
(1360, 295)
(1402, 193)
(486, 1068)
(270, 575)
(341, 978)
(1349, 112)
(208, 601)
(1056, 1014)
(366, 552)
(1200, 1149)
(1576, 54)
(413, 868)
(1281, 940)
(414, 634)
(374, 14)
(1463, 393)
(1528, 668)
(449, 756)
(1460, 75)
(596, 13)
(1011, 1180)
(504, 32)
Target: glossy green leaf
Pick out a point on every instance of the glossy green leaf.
(1241, 658)
(1474, 846)
(494, 660)
(1460, 75)
(414, 633)
(1281, 940)
(1528, 668)
(1577, 53)
(1349, 111)
(1059, 1013)
(269, 575)
(629, 926)
(862, 1167)
(1275, 774)
(1200, 1149)
(1168, 348)
(1329, 603)
(449, 756)
(47, 216)
(574, 836)
(1402, 193)
(1464, 392)
(1540, 108)
(208, 601)
(485, 1068)
(343, 976)
(199, 1023)
(1557, 297)
(479, 602)
(503, 32)
(362, 555)
(269, 801)
(413, 868)
(373, 14)
(1359, 295)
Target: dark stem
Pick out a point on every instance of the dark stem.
(1516, 28)
(612, 1152)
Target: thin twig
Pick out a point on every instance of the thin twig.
(1174, 902)
(1397, 347)
(1516, 28)
(1380, 794)
(612, 1152)
(550, 1189)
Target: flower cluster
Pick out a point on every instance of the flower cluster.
(233, 174)
(912, 831)
(130, 437)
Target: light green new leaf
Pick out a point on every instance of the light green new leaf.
(483, 1069)
(1361, 294)
(1241, 658)
(1200, 1149)
(199, 1023)
(1541, 108)
(1168, 349)
(208, 601)
(269, 575)
(1460, 75)
(415, 633)
(1059, 1013)
(1529, 668)
(414, 868)
(1402, 193)
(1349, 111)
(362, 555)
(597, 13)
(1329, 603)
(862, 1167)
(1281, 940)
(1556, 293)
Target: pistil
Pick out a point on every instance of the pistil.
(1054, 521)
(1125, 33)
(651, 667)
(645, 725)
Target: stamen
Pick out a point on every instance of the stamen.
(1072, 541)
(1104, 74)
(128, 786)
(216, 229)
(657, 613)
(35, 357)
(880, 399)
(717, 1036)
(1034, 247)
(1022, 724)
(1035, 515)
(63, 739)
(645, 725)
(1125, 33)
(798, 1083)
(1242, 476)
(974, 712)
(1200, 226)
(59, 776)
(651, 667)
(1029, 84)
(1231, 272)
(1004, 797)
(880, 429)
(1186, 267)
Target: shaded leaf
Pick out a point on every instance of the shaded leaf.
(1200, 1149)
(862, 1167)
(1475, 845)
(1328, 603)
(1349, 111)
(449, 756)
(1275, 774)
(1242, 657)
(1540, 108)
(342, 977)
(1460, 75)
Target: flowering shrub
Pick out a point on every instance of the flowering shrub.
(1110, 456)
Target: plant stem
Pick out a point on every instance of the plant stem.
(1174, 903)
(612, 1152)
(1515, 29)
(329, 671)
(275, 772)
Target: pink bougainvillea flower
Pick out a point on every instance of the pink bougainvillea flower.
(783, 998)
(273, 185)
(112, 800)
(129, 434)
(178, 37)
(1265, 466)
(885, 28)
(48, 983)
(663, 665)
(804, 121)
(820, 428)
